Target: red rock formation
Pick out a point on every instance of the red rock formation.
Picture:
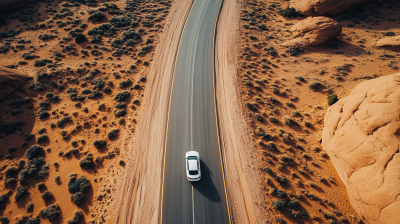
(10, 80)
(361, 135)
(324, 7)
(314, 31)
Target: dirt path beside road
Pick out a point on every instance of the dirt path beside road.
(140, 194)
(240, 163)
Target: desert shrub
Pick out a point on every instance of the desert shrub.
(105, 29)
(31, 169)
(42, 138)
(112, 133)
(290, 12)
(77, 215)
(4, 220)
(293, 204)
(147, 23)
(29, 207)
(86, 91)
(43, 113)
(21, 191)
(273, 119)
(129, 43)
(10, 181)
(107, 89)
(46, 36)
(40, 185)
(34, 151)
(293, 51)
(120, 113)
(130, 35)
(12, 149)
(120, 105)
(279, 204)
(96, 52)
(97, 16)
(43, 172)
(125, 83)
(271, 146)
(77, 198)
(120, 21)
(271, 51)
(4, 197)
(41, 63)
(97, 82)
(80, 184)
(51, 213)
(63, 120)
(28, 56)
(145, 49)
(332, 99)
(99, 143)
(57, 179)
(121, 96)
(96, 38)
(314, 85)
(87, 162)
(286, 138)
(389, 33)
(289, 121)
(79, 38)
(281, 179)
(258, 117)
(281, 193)
(262, 27)
(116, 42)
(251, 106)
(47, 195)
(95, 94)
(25, 220)
(11, 172)
(37, 86)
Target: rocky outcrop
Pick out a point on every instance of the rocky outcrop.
(392, 43)
(361, 135)
(314, 31)
(10, 5)
(324, 7)
(10, 80)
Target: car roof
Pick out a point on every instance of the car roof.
(192, 165)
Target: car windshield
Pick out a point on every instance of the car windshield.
(192, 157)
(193, 172)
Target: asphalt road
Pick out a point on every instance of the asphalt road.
(192, 125)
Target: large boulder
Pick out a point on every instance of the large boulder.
(324, 7)
(10, 80)
(392, 43)
(361, 135)
(10, 5)
(314, 31)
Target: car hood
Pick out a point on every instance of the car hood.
(192, 153)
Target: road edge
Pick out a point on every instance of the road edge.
(139, 195)
(245, 197)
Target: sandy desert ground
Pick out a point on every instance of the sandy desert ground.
(94, 112)
(80, 107)
(285, 113)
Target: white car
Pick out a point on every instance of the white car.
(193, 171)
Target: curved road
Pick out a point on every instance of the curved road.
(192, 125)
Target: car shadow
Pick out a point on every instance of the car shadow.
(206, 186)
